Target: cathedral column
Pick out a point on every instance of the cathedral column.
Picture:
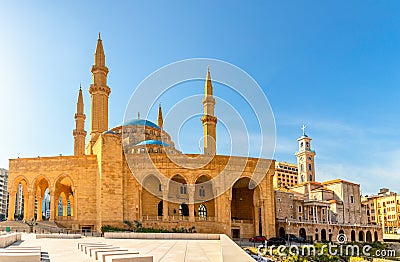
(165, 201)
(39, 208)
(65, 206)
(11, 205)
(29, 202)
(256, 218)
(53, 205)
(191, 190)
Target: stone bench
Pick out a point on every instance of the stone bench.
(20, 257)
(80, 244)
(128, 258)
(88, 249)
(8, 239)
(64, 236)
(96, 253)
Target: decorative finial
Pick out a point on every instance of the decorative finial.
(159, 105)
(138, 115)
(304, 129)
(99, 36)
(80, 86)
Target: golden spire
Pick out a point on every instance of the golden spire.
(99, 57)
(208, 89)
(160, 117)
(79, 104)
(79, 131)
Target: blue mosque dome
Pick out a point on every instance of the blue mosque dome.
(152, 142)
(141, 122)
(109, 132)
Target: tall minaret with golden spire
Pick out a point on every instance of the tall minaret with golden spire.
(79, 131)
(99, 92)
(160, 120)
(209, 120)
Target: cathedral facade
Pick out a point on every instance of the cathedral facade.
(133, 172)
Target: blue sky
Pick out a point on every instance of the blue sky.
(331, 65)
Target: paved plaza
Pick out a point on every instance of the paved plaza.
(65, 250)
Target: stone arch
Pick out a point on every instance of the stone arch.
(302, 233)
(242, 200)
(184, 210)
(63, 188)
(376, 236)
(282, 232)
(160, 207)
(361, 236)
(151, 196)
(353, 236)
(19, 198)
(64, 177)
(204, 195)
(40, 185)
(323, 235)
(368, 236)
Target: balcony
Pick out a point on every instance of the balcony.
(242, 221)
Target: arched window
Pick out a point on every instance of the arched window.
(302, 178)
(301, 168)
(202, 192)
(311, 178)
(309, 167)
(202, 211)
(183, 189)
(307, 144)
(183, 210)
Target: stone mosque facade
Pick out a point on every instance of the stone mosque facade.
(133, 172)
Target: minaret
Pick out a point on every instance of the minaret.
(209, 120)
(79, 131)
(305, 159)
(99, 92)
(160, 120)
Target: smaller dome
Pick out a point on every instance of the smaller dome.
(109, 132)
(141, 122)
(152, 142)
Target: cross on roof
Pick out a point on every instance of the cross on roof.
(304, 129)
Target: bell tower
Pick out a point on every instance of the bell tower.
(305, 159)
(99, 92)
(208, 119)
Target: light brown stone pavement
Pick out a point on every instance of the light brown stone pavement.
(65, 250)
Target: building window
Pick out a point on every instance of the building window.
(202, 192)
(202, 211)
(300, 219)
(300, 209)
(309, 167)
(279, 210)
(311, 178)
(183, 189)
(291, 207)
(301, 168)
(279, 200)
(352, 199)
